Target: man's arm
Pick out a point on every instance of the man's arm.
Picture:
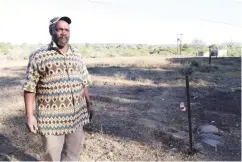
(85, 84)
(88, 102)
(31, 80)
(29, 99)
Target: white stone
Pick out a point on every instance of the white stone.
(211, 142)
(210, 136)
(180, 135)
(208, 129)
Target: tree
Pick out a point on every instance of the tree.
(4, 48)
(198, 44)
(213, 47)
(185, 46)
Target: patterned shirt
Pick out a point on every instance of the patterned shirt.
(58, 81)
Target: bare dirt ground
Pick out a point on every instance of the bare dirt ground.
(137, 117)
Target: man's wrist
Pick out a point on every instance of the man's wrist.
(89, 103)
(28, 116)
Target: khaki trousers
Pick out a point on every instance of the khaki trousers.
(63, 147)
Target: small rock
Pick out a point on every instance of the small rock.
(193, 103)
(173, 151)
(180, 135)
(210, 136)
(236, 89)
(211, 142)
(208, 129)
(198, 146)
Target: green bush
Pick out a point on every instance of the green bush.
(234, 51)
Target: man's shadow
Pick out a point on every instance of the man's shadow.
(7, 150)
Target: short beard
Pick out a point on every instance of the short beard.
(61, 42)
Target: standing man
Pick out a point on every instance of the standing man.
(56, 80)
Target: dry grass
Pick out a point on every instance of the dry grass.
(136, 102)
(133, 62)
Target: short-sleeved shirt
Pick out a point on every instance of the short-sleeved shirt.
(58, 81)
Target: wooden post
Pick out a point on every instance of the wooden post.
(210, 56)
(180, 43)
(189, 114)
(177, 40)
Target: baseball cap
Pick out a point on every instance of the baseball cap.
(56, 19)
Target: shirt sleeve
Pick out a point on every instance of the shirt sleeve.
(31, 76)
(85, 75)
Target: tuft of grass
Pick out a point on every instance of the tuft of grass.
(188, 68)
(207, 68)
(195, 64)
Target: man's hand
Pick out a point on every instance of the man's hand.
(90, 111)
(88, 102)
(32, 124)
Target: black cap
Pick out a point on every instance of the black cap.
(56, 19)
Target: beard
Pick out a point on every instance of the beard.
(61, 41)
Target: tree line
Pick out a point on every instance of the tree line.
(93, 50)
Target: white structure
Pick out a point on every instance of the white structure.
(221, 53)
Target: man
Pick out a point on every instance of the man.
(56, 80)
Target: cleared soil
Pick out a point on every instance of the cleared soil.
(136, 102)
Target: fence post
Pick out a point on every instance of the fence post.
(189, 114)
(210, 57)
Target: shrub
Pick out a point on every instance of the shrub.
(195, 64)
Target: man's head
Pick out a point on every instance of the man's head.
(59, 30)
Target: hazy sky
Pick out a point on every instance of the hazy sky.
(123, 21)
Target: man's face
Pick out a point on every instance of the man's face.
(62, 33)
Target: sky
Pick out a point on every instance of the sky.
(123, 21)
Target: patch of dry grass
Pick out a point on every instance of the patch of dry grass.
(100, 147)
(132, 62)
